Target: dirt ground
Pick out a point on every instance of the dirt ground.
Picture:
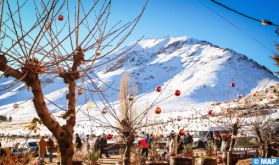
(104, 161)
(113, 160)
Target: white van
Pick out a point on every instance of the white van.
(200, 138)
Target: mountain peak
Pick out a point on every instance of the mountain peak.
(190, 61)
(201, 70)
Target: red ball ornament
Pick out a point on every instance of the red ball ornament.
(60, 17)
(210, 112)
(109, 136)
(159, 89)
(42, 70)
(158, 110)
(177, 93)
(80, 91)
(182, 132)
(232, 84)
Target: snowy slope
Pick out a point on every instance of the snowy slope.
(200, 70)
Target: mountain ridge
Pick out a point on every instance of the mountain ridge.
(201, 70)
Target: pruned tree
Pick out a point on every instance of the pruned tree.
(53, 45)
(127, 117)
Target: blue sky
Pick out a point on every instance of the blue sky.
(194, 19)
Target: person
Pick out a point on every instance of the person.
(271, 151)
(148, 140)
(224, 146)
(78, 142)
(189, 139)
(36, 161)
(42, 149)
(97, 143)
(50, 148)
(16, 148)
(87, 142)
(173, 144)
(151, 137)
(103, 145)
(143, 145)
(181, 139)
(217, 139)
(224, 143)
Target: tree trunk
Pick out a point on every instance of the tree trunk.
(63, 134)
(127, 154)
(29, 75)
(67, 151)
(233, 138)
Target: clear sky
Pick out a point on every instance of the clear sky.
(192, 18)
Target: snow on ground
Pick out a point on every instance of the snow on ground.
(202, 72)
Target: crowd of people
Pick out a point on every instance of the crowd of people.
(44, 147)
(175, 143)
(100, 144)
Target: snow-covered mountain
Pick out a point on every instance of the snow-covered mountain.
(203, 72)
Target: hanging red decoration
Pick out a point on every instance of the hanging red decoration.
(42, 70)
(182, 132)
(159, 89)
(232, 84)
(177, 93)
(158, 110)
(210, 112)
(80, 91)
(109, 136)
(60, 17)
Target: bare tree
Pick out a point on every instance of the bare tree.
(128, 117)
(64, 39)
(264, 128)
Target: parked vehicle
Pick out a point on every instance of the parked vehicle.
(33, 147)
(18, 151)
(200, 138)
